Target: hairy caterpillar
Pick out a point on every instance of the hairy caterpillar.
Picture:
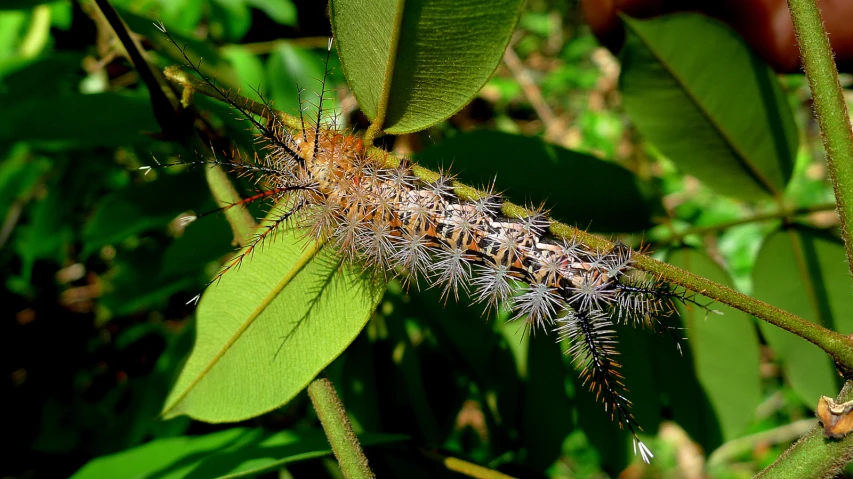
(382, 216)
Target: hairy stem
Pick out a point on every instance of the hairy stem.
(830, 109)
(338, 430)
(837, 345)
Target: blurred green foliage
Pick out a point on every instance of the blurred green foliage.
(97, 272)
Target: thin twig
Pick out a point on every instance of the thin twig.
(553, 126)
(773, 215)
(167, 110)
(261, 48)
(742, 445)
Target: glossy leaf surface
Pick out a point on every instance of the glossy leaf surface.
(709, 103)
(415, 63)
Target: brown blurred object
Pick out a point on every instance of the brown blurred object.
(837, 419)
(764, 24)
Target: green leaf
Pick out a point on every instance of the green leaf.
(413, 64)
(268, 328)
(803, 271)
(724, 348)
(54, 73)
(582, 189)
(78, 121)
(357, 385)
(48, 233)
(19, 174)
(281, 11)
(543, 433)
(709, 103)
(291, 69)
(248, 67)
(487, 347)
(201, 242)
(236, 452)
(203, 54)
(230, 19)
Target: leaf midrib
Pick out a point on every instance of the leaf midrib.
(390, 65)
(310, 252)
(739, 154)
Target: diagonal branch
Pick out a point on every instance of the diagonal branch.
(837, 345)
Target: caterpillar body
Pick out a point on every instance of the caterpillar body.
(383, 217)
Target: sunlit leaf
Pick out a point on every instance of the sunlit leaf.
(423, 60)
(236, 452)
(268, 328)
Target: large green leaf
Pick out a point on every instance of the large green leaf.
(725, 350)
(415, 63)
(268, 328)
(803, 271)
(709, 103)
(581, 188)
(62, 121)
(236, 452)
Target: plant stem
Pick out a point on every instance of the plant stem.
(830, 109)
(736, 448)
(814, 456)
(773, 215)
(334, 419)
(837, 345)
(167, 111)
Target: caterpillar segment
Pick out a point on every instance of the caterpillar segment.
(392, 223)
(388, 220)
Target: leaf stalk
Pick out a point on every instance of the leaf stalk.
(338, 430)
